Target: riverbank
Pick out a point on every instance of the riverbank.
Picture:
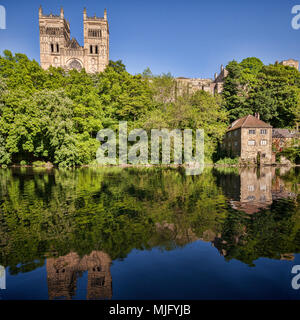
(49, 165)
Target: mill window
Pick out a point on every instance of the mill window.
(263, 131)
(251, 131)
(251, 143)
(263, 142)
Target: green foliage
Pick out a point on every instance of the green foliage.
(200, 110)
(39, 164)
(273, 91)
(53, 212)
(229, 161)
(292, 154)
(55, 116)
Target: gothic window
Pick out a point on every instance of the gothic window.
(52, 31)
(52, 47)
(75, 64)
(98, 282)
(96, 49)
(93, 33)
(91, 49)
(57, 47)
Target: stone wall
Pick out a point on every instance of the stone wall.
(250, 152)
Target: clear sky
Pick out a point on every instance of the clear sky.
(189, 38)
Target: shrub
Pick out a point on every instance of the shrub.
(229, 161)
(23, 163)
(292, 154)
(39, 164)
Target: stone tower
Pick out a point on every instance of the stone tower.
(59, 50)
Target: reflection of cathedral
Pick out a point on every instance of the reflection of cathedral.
(62, 275)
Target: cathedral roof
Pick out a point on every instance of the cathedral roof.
(73, 43)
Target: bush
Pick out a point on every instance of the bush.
(39, 164)
(292, 154)
(23, 163)
(229, 161)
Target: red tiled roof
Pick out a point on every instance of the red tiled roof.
(248, 122)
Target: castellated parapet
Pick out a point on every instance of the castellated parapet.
(58, 49)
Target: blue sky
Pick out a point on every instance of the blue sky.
(190, 38)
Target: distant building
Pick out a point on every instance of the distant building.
(250, 139)
(283, 138)
(291, 63)
(57, 49)
(190, 86)
(216, 85)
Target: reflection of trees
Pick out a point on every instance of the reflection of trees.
(51, 213)
(46, 214)
(270, 233)
(274, 230)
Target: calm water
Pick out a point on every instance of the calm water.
(149, 234)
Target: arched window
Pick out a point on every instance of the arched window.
(91, 49)
(57, 47)
(96, 49)
(52, 47)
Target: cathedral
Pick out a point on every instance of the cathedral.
(58, 49)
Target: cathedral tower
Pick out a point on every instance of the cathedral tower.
(57, 49)
(96, 42)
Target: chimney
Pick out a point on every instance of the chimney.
(257, 115)
(105, 14)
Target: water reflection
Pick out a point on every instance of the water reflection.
(62, 274)
(257, 188)
(82, 221)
